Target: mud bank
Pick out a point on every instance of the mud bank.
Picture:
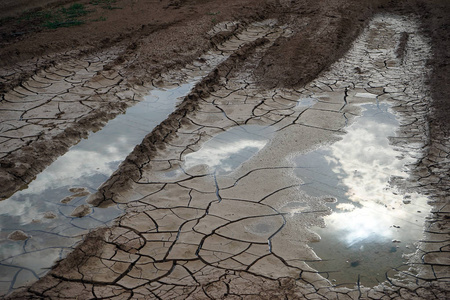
(158, 37)
(192, 232)
(176, 227)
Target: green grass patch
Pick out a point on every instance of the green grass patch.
(100, 19)
(61, 17)
(105, 4)
(65, 17)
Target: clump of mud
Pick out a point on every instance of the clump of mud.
(18, 235)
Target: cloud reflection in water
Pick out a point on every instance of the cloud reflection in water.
(366, 163)
(228, 150)
(87, 164)
(370, 213)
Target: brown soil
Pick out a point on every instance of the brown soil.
(160, 35)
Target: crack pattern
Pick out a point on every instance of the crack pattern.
(192, 232)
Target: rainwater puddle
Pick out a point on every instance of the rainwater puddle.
(228, 150)
(373, 224)
(306, 102)
(43, 210)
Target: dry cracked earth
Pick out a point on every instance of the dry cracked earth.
(222, 199)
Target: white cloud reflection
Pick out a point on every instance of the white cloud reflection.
(79, 163)
(225, 158)
(365, 161)
(228, 150)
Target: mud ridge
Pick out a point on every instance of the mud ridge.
(164, 212)
(19, 168)
(128, 171)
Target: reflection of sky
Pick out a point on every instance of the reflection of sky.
(87, 164)
(369, 213)
(223, 158)
(365, 163)
(306, 102)
(228, 150)
(105, 149)
(97, 157)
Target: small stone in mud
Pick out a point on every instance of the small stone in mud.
(50, 215)
(406, 201)
(18, 235)
(67, 199)
(76, 190)
(330, 200)
(82, 194)
(81, 211)
(355, 263)
(79, 192)
(396, 241)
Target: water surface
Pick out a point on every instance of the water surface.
(228, 150)
(43, 210)
(373, 224)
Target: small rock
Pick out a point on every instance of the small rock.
(76, 189)
(18, 235)
(82, 194)
(396, 241)
(79, 191)
(50, 215)
(331, 199)
(81, 211)
(355, 263)
(67, 199)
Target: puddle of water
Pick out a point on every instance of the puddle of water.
(228, 150)
(372, 225)
(306, 102)
(38, 210)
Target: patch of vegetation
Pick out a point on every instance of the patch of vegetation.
(66, 17)
(102, 18)
(214, 19)
(105, 4)
(53, 18)
(62, 17)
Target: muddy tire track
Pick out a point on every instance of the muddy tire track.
(191, 233)
(212, 282)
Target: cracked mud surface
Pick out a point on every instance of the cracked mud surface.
(209, 194)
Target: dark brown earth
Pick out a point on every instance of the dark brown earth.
(174, 33)
(159, 35)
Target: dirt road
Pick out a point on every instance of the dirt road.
(191, 230)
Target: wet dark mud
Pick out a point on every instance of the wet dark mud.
(190, 232)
